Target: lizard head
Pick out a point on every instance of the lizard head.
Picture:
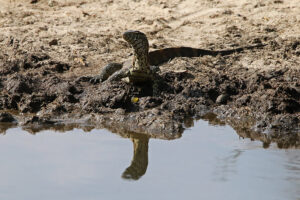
(137, 40)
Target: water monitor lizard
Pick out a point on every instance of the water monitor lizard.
(145, 64)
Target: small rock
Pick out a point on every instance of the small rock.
(270, 29)
(293, 91)
(34, 1)
(150, 102)
(6, 117)
(222, 99)
(73, 90)
(156, 111)
(52, 3)
(18, 84)
(53, 42)
(243, 100)
(120, 111)
(71, 98)
(61, 67)
(289, 106)
(278, 1)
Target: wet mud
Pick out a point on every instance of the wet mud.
(45, 84)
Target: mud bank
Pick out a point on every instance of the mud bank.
(262, 105)
(45, 73)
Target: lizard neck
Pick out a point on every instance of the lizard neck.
(141, 61)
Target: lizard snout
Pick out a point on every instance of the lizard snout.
(129, 35)
(132, 36)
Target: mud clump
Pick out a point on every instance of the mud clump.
(6, 117)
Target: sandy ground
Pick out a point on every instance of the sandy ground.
(81, 37)
(90, 31)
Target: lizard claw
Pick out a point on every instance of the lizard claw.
(96, 79)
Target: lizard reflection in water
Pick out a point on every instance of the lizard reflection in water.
(139, 163)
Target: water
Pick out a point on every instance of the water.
(205, 163)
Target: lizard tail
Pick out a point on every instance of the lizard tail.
(161, 56)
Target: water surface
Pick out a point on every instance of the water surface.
(207, 162)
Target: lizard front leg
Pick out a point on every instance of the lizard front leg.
(106, 72)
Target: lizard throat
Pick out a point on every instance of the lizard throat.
(141, 62)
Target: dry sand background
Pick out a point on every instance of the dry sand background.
(89, 32)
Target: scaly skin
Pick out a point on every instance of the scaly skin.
(139, 71)
(142, 67)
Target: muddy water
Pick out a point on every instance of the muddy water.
(205, 163)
